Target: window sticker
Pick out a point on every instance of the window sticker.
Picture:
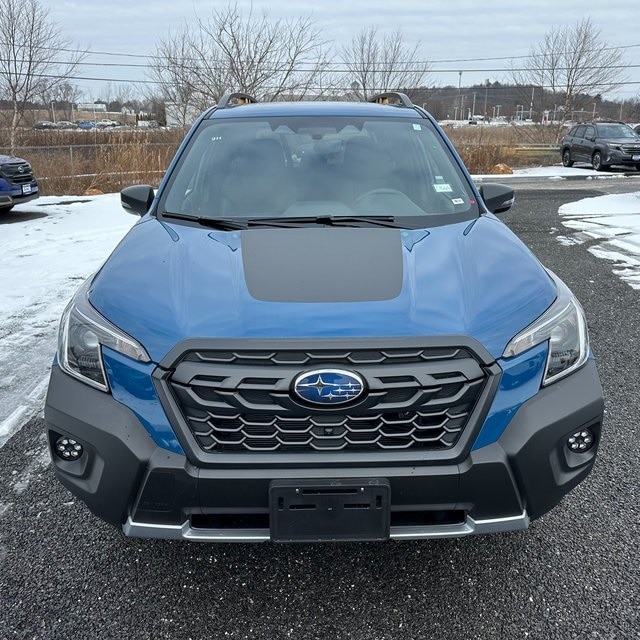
(457, 200)
(417, 127)
(442, 187)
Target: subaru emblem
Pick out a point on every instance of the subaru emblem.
(328, 387)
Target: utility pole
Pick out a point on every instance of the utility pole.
(531, 106)
(460, 93)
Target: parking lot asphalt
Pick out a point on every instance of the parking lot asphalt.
(573, 575)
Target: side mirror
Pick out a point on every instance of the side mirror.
(137, 199)
(498, 198)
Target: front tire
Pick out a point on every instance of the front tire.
(596, 162)
(566, 158)
(5, 209)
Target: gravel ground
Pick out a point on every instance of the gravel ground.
(573, 575)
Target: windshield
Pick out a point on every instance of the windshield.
(616, 131)
(311, 167)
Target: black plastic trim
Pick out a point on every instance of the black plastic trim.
(330, 459)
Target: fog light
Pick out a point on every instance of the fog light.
(581, 441)
(68, 448)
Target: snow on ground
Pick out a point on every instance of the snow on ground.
(554, 172)
(616, 220)
(42, 262)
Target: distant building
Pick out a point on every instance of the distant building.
(92, 106)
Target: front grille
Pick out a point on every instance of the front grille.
(630, 148)
(242, 401)
(17, 172)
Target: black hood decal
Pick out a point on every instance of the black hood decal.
(322, 264)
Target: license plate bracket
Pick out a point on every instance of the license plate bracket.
(330, 510)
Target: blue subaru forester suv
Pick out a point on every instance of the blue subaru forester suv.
(319, 330)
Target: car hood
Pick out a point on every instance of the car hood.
(165, 283)
(5, 159)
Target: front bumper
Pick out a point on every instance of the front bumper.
(128, 480)
(615, 157)
(11, 195)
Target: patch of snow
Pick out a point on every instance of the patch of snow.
(615, 219)
(555, 172)
(42, 263)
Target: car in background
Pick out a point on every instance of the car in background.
(65, 124)
(86, 125)
(601, 144)
(44, 125)
(17, 182)
(106, 123)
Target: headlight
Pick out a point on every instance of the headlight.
(82, 332)
(564, 325)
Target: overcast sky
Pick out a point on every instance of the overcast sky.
(447, 29)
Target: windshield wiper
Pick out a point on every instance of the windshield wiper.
(235, 224)
(224, 224)
(330, 220)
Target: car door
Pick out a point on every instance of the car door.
(588, 142)
(578, 145)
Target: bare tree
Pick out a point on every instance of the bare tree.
(187, 79)
(61, 96)
(568, 67)
(377, 64)
(30, 50)
(233, 50)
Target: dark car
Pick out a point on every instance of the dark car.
(601, 144)
(320, 330)
(17, 182)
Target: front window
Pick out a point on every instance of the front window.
(616, 131)
(309, 167)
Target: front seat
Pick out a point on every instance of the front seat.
(258, 182)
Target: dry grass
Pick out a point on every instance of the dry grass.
(70, 162)
(482, 147)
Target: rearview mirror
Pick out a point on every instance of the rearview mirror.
(137, 199)
(498, 198)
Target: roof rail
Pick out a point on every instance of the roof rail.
(401, 99)
(234, 99)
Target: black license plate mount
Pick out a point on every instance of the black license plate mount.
(330, 510)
